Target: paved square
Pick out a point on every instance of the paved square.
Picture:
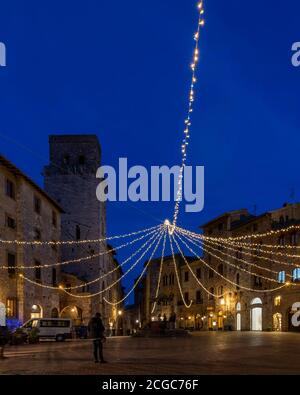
(201, 353)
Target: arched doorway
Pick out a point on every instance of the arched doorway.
(211, 322)
(277, 322)
(238, 317)
(220, 321)
(74, 313)
(54, 313)
(2, 314)
(256, 314)
(36, 311)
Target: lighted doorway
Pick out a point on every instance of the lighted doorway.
(36, 311)
(2, 314)
(238, 317)
(277, 322)
(256, 314)
(74, 313)
(220, 321)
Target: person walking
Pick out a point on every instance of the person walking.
(96, 332)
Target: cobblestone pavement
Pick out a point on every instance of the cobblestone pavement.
(202, 353)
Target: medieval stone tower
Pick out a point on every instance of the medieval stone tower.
(70, 179)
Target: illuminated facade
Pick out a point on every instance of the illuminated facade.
(26, 213)
(237, 277)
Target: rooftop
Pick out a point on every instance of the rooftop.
(17, 172)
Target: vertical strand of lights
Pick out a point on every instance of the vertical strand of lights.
(188, 120)
(160, 272)
(188, 306)
(192, 272)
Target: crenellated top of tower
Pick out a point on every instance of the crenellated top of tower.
(72, 153)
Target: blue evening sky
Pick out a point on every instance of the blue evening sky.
(120, 69)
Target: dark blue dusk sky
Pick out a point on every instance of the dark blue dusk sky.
(120, 69)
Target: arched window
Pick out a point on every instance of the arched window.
(237, 281)
(296, 274)
(212, 291)
(238, 306)
(281, 277)
(256, 301)
(199, 299)
(221, 269)
(220, 290)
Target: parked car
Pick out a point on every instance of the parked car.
(59, 329)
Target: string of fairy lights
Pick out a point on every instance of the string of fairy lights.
(241, 252)
(188, 119)
(160, 273)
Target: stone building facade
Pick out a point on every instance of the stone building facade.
(169, 300)
(113, 315)
(26, 213)
(70, 178)
(254, 308)
(67, 209)
(238, 297)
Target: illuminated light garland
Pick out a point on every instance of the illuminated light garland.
(232, 239)
(72, 242)
(194, 275)
(159, 237)
(208, 251)
(188, 120)
(139, 279)
(78, 260)
(160, 272)
(253, 256)
(254, 247)
(62, 288)
(227, 279)
(208, 246)
(244, 262)
(188, 306)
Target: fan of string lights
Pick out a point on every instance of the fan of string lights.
(146, 243)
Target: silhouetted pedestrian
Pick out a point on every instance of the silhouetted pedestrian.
(96, 332)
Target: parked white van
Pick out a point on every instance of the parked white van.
(59, 329)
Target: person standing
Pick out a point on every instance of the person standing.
(96, 332)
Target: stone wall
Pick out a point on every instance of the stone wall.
(70, 178)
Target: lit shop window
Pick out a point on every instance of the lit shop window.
(281, 277)
(277, 301)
